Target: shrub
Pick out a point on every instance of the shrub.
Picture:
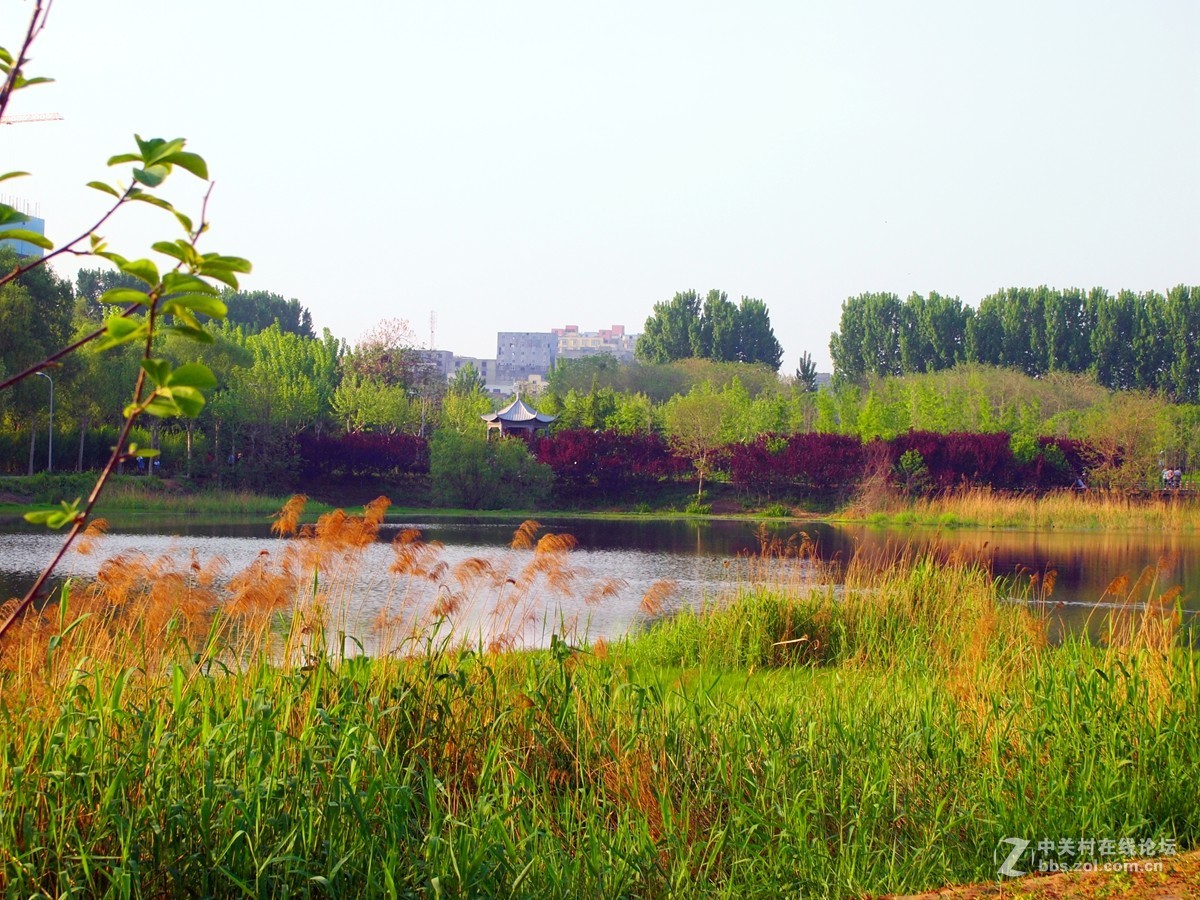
(474, 473)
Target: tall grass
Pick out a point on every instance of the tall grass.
(789, 741)
(1090, 510)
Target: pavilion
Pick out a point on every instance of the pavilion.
(517, 418)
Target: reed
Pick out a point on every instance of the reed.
(1080, 511)
(170, 730)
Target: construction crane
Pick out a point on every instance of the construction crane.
(30, 117)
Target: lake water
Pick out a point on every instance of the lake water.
(621, 559)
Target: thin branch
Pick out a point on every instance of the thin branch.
(56, 356)
(36, 23)
(118, 453)
(18, 271)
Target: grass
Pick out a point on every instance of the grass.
(1068, 510)
(787, 740)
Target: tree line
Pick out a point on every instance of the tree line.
(1127, 341)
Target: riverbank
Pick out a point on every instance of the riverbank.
(1063, 510)
(787, 740)
(973, 508)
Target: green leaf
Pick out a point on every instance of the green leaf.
(180, 250)
(192, 331)
(151, 176)
(31, 237)
(55, 518)
(188, 400)
(8, 175)
(118, 330)
(143, 270)
(185, 221)
(156, 150)
(121, 296)
(193, 162)
(177, 282)
(123, 158)
(144, 452)
(104, 188)
(11, 215)
(205, 304)
(141, 196)
(193, 375)
(159, 370)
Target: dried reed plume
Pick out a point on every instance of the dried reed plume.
(658, 593)
(87, 541)
(287, 520)
(524, 535)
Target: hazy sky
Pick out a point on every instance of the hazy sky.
(518, 166)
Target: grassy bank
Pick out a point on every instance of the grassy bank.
(785, 741)
(1066, 510)
(127, 495)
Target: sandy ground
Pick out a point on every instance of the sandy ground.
(1179, 878)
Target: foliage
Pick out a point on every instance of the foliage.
(693, 426)
(170, 299)
(1131, 341)
(259, 310)
(608, 463)
(806, 373)
(788, 740)
(359, 453)
(712, 328)
(471, 472)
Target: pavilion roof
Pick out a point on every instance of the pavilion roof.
(519, 411)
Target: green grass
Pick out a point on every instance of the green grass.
(784, 742)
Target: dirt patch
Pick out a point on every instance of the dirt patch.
(12, 499)
(1161, 878)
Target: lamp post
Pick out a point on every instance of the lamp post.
(50, 445)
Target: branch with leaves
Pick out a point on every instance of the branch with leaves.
(171, 300)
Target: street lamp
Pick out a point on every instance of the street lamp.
(50, 445)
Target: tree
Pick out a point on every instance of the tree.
(467, 380)
(715, 330)
(258, 310)
(806, 373)
(756, 338)
(672, 331)
(469, 471)
(719, 329)
(867, 341)
(693, 425)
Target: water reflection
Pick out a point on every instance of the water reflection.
(638, 552)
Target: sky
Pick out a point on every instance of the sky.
(528, 165)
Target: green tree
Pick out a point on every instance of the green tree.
(756, 339)
(258, 310)
(672, 331)
(467, 380)
(719, 329)
(867, 341)
(468, 471)
(693, 426)
(806, 373)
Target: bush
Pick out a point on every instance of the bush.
(474, 473)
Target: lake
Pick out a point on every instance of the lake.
(617, 561)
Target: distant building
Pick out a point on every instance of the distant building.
(520, 354)
(447, 363)
(576, 344)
